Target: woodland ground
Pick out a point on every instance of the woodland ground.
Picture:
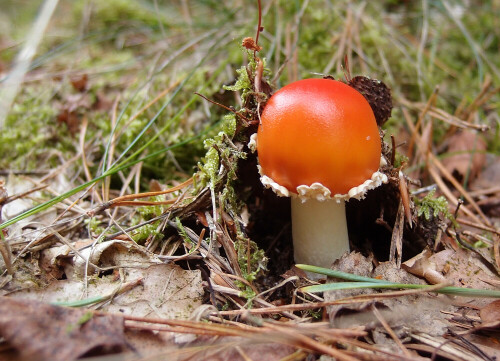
(132, 219)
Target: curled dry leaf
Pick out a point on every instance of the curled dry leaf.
(164, 290)
(113, 253)
(421, 266)
(467, 155)
(44, 332)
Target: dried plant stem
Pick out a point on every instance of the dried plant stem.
(389, 330)
(127, 199)
(317, 305)
(434, 166)
(478, 226)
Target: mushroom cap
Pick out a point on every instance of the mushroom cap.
(318, 131)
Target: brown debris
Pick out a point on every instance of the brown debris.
(44, 332)
(377, 94)
(467, 151)
(79, 82)
(490, 312)
(250, 44)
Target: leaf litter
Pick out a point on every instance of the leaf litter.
(202, 271)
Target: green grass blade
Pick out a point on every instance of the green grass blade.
(367, 282)
(338, 274)
(60, 198)
(81, 303)
(164, 106)
(455, 291)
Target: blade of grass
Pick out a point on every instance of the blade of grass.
(51, 202)
(11, 86)
(367, 282)
(168, 123)
(338, 274)
(168, 102)
(455, 291)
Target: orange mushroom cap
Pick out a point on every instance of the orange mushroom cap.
(318, 131)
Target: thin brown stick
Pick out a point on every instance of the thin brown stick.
(23, 194)
(141, 203)
(225, 107)
(343, 301)
(478, 226)
(389, 330)
(259, 25)
(436, 163)
(126, 200)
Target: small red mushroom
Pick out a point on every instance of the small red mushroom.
(319, 143)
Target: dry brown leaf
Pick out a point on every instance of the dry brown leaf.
(467, 157)
(490, 312)
(489, 177)
(44, 332)
(71, 119)
(166, 290)
(417, 312)
(79, 82)
(464, 269)
(421, 266)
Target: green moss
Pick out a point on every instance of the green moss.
(94, 225)
(182, 232)
(257, 262)
(31, 135)
(430, 206)
(111, 12)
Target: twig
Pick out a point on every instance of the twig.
(127, 199)
(389, 330)
(23, 194)
(226, 107)
(344, 301)
(478, 226)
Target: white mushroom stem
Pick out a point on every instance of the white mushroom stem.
(319, 231)
(319, 226)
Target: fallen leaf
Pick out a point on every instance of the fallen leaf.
(166, 290)
(71, 119)
(71, 110)
(418, 311)
(102, 101)
(44, 332)
(464, 269)
(114, 253)
(467, 157)
(79, 82)
(490, 312)
(489, 177)
(421, 266)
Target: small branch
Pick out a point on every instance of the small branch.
(127, 199)
(227, 108)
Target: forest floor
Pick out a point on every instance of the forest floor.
(133, 222)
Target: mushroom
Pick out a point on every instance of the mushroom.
(319, 143)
